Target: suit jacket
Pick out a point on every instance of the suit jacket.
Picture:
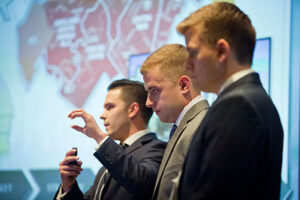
(132, 171)
(237, 151)
(176, 151)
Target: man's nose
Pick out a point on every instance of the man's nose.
(149, 103)
(103, 115)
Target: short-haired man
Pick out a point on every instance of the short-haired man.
(237, 151)
(129, 171)
(174, 99)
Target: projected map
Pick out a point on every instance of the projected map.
(80, 40)
(58, 55)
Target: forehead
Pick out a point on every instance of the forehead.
(113, 95)
(192, 38)
(153, 77)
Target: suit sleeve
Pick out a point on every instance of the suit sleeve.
(136, 175)
(228, 153)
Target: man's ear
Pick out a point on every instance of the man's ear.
(223, 49)
(133, 109)
(184, 83)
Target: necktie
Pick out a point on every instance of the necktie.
(172, 131)
(124, 145)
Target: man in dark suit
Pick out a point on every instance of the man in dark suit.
(236, 152)
(173, 97)
(130, 169)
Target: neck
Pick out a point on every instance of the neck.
(232, 68)
(134, 128)
(191, 95)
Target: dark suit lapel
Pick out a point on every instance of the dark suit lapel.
(191, 113)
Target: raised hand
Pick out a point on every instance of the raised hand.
(91, 129)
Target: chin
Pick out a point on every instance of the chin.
(164, 120)
(110, 135)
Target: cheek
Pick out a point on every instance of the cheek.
(170, 99)
(202, 65)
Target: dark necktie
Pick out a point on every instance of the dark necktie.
(124, 145)
(172, 131)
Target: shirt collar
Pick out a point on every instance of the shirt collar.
(187, 107)
(131, 139)
(235, 77)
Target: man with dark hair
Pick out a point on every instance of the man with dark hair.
(129, 169)
(236, 152)
(133, 91)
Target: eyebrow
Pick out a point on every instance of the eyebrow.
(107, 104)
(151, 87)
(189, 49)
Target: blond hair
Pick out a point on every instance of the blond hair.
(170, 59)
(223, 20)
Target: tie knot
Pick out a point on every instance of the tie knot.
(172, 131)
(124, 145)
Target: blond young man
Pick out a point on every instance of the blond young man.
(236, 152)
(174, 99)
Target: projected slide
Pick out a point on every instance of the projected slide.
(56, 56)
(59, 55)
(79, 41)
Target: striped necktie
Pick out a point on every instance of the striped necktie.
(172, 130)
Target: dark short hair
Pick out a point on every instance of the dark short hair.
(223, 20)
(133, 91)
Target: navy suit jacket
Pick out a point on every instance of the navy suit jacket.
(236, 152)
(132, 171)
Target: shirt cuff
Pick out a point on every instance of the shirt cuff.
(100, 143)
(60, 194)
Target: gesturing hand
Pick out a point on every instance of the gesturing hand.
(91, 129)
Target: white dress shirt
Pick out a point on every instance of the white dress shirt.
(187, 107)
(235, 77)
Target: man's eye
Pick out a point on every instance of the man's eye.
(192, 54)
(154, 91)
(109, 107)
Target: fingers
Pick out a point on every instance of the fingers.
(71, 152)
(74, 111)
(69, 159)
(79, 163)
(70, 170)
(81, 113)
(77, 113)
(78, 128)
